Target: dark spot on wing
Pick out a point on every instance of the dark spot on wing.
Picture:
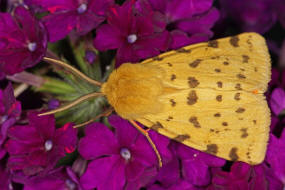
(217, 70)
(237, 96)
(156, 126)
(217, 115)
(241, 76)
(194, 121)
(195, 63)
(244, 132)
(183, 50)
(219, 98)
(233, 154)
(157, 58)
(181, 138)
(213, 44)
(193, 82)
(220, 84)
(238, 86)
(240, 110)
(234, 41)
(192, 97)
(245, 58)
(212, 149)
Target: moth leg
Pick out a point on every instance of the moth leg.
(145, 133)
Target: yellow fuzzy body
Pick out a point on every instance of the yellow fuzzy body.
(133, 90)
(208, 96)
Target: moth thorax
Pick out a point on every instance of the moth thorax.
(133, 90)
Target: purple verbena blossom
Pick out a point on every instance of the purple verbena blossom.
(277, 101)
(189, 21)
(179, 185)
(23, 41)
(241, 176)
(5, 178)
(135, 33)
(10, 110)
(196, 165)
(53, 104)
(250, 15)
(90, 56)
(188, 166)
(37, 146)
(66, 15)
(118, 158)
(279, 7)
(275, 158)
(275, 75)
(58, 179)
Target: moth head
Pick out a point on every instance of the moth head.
(133, 90)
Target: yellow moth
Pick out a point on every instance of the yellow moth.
(208, 96)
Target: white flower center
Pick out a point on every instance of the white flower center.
(10, 186)
(125, 153)
(32, 46)
(48, 145)
(132, 38)
(70, 184)
(3, 119)
(82, 8)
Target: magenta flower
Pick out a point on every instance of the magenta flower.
(250, 15)
(241, 176)
(275, 75)
(53, 104)
(196, 165)
(279, 7)
(169, 174)
(188, 21)
(23, 41)
(58, 179)
(66, 15)
(277, 101)
(274, 123)
(179, 185)
(275, 157)
(90, 56)
(147, 177)
(118, 158)
(10, 110)
(39, 145)
(5, 178)
(188, 166)
(135, 33)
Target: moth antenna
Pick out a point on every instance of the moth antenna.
(72, 70)
(105, 113)
(145, 133)
(74, 103)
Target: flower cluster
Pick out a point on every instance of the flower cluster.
(23, 41)
(47, 152)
